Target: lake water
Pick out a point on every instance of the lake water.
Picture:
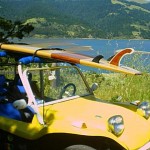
(106, 48)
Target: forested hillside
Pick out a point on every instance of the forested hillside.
(81, 18)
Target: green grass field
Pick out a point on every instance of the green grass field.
(120, 87)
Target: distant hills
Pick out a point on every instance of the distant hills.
(108, 19)
(140, 1)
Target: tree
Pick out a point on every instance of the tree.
(17, 29)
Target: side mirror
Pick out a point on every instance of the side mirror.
(94, 86)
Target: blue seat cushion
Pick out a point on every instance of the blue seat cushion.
(8, 110)
(21, 89)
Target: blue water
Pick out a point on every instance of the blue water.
(107, 48)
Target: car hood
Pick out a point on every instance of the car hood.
(88, 117)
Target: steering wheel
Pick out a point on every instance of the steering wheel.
(68, 90)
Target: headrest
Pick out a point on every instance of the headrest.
(2, 80)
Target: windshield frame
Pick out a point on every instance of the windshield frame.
(25, 72)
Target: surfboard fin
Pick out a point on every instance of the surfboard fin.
(115, 59)
(97, 58)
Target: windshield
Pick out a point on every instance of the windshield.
(55, 83)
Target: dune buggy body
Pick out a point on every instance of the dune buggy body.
(49, 105)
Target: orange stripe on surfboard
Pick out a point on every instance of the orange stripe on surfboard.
(74, 58)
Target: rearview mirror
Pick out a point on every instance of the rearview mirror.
(94, 86)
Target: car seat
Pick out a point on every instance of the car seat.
(6, 108)
(2, 89)
(15, 93)
(18, 83)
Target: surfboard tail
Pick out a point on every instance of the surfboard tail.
(111, 67)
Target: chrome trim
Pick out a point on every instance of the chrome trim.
(58, 101)
(63, 100)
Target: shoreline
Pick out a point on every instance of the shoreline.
(81, 38)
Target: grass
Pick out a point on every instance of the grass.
(120, 87)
